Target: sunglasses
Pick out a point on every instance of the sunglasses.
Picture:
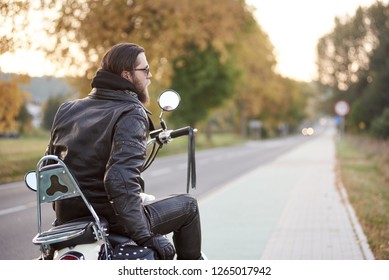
(146, 70)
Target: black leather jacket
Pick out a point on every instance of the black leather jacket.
(105, 136)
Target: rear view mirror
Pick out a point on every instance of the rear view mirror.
(169, 100)
(30, 180)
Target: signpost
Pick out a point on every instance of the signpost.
(342, 108)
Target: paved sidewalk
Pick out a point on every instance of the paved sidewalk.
(292, 208)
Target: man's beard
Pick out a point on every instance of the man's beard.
(142, 92)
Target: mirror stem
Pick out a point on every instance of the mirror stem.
(163, 123)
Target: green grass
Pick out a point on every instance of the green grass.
(364, 165)
(17, 156)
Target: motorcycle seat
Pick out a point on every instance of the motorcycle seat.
(117, 239)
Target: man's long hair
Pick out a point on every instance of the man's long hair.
(121, 57)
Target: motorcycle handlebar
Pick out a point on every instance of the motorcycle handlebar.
(180, 132)
(161, 137)
(164, 137)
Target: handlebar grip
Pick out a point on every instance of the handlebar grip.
(180, 132)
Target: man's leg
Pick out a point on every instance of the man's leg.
(178, 214)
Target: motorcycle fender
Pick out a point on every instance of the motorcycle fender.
(85, 251)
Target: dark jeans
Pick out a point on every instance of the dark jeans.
(178, 214)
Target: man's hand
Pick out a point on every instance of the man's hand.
(162, 245)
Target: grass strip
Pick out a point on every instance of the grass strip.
(364, 165)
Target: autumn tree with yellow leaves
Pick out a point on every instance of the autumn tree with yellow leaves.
(12, 98)
(15, 16)
(171, 32)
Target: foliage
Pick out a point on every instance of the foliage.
(84, 30)
(257, 81)
(172, 32)
(12, 99)
(344, 52)
(353, 62)
(81, 31)
(260, 93)
(24, 118)
(162, 27)
(49, 110)
(15, 16)
(204, 83)
(380, 125)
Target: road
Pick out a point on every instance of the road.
(215, 168)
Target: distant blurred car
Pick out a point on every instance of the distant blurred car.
(307, 131)
(9, 135)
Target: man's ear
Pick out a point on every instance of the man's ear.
(125, 75)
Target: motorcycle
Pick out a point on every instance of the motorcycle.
(89, 238)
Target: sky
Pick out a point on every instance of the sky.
(294, 28)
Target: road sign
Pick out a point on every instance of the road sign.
(342, 108)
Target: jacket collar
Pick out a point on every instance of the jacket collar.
(109, 80)
(108, 85)
(119, 95)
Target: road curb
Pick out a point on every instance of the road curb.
(357, 228)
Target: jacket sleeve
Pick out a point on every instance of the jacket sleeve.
(123, 172)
